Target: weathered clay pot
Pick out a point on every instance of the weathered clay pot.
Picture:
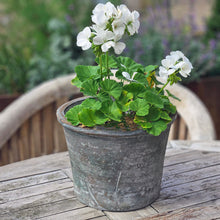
(114, 170)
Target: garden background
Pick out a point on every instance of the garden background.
(37, 42)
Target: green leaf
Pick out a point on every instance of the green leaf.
(111, 110)
(90, 87)
(170, 108)
(103, 96)
(150, 68)
(130, 65)
(123, 101)
(171, 95)
(141, 78)
(154, 114)
(111, 87)
(76, 82)
(72, 115)
(112, 61)
(154, 99)
(87, 72)
(157, 127)
(136, 89)
(90, 118)
(91, 103)
(140, 106)
(142, 121)
(164, 115)
(100, 118)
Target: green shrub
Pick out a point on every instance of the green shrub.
(213, 23)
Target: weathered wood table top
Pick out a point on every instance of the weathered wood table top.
(41, 188)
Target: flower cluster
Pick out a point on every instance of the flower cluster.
(175, 62)
(110, 24)
(131, 96)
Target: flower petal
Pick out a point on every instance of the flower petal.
(119, 47)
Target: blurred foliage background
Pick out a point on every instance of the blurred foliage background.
(37, 39)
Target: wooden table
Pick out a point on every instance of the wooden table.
(41, 188)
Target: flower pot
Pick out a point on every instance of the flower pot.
(114, 170)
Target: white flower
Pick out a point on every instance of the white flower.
(118, 27)
(178, 54)
(106, 46)
(119, 47)
(102, 36)
(169, 62)
(127, 76)
(164, 72)
(102, 13)
(185, 67)
(130, 19)
(83, 39)
(176, 61)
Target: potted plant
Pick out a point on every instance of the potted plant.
(117, 136)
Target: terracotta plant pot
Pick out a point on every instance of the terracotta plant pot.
(114, 170)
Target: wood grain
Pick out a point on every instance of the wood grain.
(42, 188)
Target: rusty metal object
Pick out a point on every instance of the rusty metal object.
(114, 170)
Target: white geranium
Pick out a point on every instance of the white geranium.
(164, 72)
(83, 39)
(118, 27)
(178, 54)
(130, 19)
(176, 61)
(102, 13)
(185, 67)
(102, 36)
(127, 76)
(169, 61)
(119, 47)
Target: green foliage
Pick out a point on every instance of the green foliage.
(213, 23)
(140, 106)
(111, 87)
(45, 48)
(113, 100)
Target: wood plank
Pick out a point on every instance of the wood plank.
(13, 150)
(201, 213)
(148, 211)
(210, 146)
(207, 161)
(34, 190)
(47, 128)
(35, 135)
(182, 130)
(46, 210)
(186, 157)
(23, 182)
(170, 151)
(192, 199)
(23, 141)
(186, 188)
(35, 166)
(59, 137)
(100, 218)
(78, 214)
(37, 200)
(4, 154)
(170, 179)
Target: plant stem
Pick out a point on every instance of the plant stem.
(163, 87)
(107, 66)
(100, 63)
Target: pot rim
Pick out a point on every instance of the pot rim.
(97, 130)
